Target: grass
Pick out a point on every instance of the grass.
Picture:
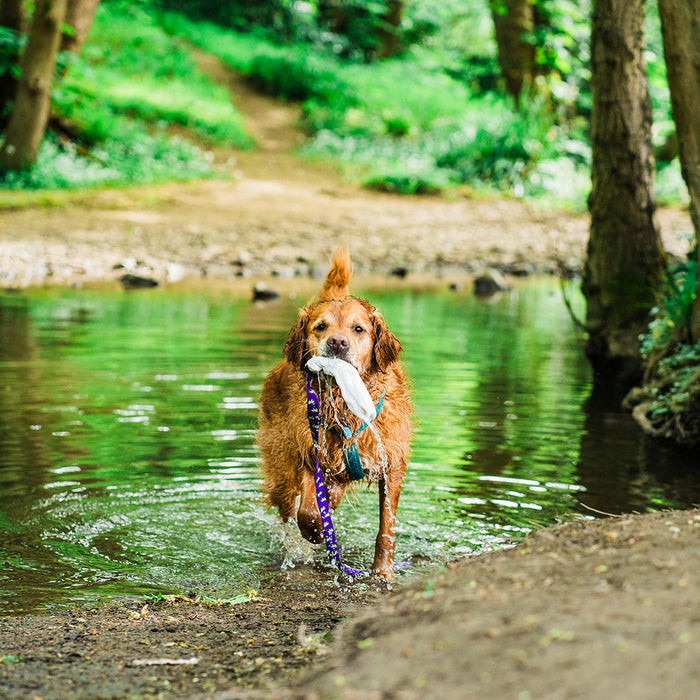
(119, 101)
(131, 66)
(411, 125)
(405, 125)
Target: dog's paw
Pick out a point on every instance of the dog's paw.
(310, 526)
(385, 572)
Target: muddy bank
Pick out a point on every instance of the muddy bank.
(587, 609)
(605, 608)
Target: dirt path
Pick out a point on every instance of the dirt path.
(272, 213)
(603, 608)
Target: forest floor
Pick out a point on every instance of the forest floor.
(590, 608)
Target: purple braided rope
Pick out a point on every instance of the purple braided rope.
(314, 414)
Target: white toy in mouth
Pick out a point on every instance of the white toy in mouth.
(352, 387)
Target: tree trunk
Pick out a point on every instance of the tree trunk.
(11, 17)
(79, 16)
(31, 111)
(680, 26)
(625, 260)
(389, 31)
(514, 23)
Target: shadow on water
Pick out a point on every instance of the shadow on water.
(127, 441)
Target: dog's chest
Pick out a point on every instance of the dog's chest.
(347, 446)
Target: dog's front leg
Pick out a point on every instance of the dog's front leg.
(308, 517)
(389, 492)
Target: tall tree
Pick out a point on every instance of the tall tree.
(32, 98)
(514, 23)
(388, 32)
(625, 260)
(680, 26)
(79, 16)
(31, 110)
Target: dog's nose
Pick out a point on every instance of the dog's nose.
(338, 343)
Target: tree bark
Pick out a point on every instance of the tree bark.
(31, 111)
(389, 31)
(625, 260)
(12, 18)
(79, 16)
(514, 22)
(680, 26)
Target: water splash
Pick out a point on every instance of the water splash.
(169, 502)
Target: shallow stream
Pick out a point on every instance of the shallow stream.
(127, 441)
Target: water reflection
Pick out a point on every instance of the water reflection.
(127, 429)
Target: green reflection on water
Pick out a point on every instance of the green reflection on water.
(127, 429)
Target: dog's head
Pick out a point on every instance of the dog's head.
(350, 329)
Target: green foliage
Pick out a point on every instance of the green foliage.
(118, 103)
(416, 179)
(10, 659)
(297, 74)
(671, 323)
(408, 125)
(434, 118)
(673, 395)
(280, 18)
(134, 158)
(10, 45)
(671, 391)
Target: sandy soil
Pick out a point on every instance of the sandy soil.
(605, 608)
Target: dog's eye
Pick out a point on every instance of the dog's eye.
(359, 329)
(321, 327)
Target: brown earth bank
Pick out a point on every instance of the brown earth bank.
(591, 608)
(242, 230)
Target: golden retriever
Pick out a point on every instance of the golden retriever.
(339, 326)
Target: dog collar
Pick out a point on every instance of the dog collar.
(351, 453)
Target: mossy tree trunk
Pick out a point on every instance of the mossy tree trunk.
(625, 260)
(680, 26)
(30, 113)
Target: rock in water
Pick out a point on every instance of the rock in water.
(130, 281)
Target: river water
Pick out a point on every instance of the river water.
(127, 441)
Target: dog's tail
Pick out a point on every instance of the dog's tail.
(338, 277)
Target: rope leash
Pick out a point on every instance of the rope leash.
(314, 415)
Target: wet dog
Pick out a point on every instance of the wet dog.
(344, 327)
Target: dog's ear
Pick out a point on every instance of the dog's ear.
(386, 345)
(295, 347)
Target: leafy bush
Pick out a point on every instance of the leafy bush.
(296, 74)
(117, 104)
(141, 158)
(671, 323)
